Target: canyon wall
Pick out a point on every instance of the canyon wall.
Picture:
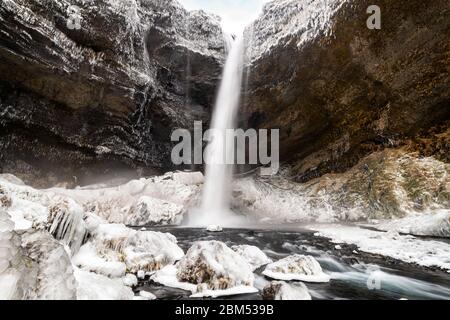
(339, 91)
(96, 89)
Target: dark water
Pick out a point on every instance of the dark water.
(350, 271)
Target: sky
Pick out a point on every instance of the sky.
(236, 14)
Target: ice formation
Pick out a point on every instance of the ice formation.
(427, 253)
(114, 249)
(214, 266)
(296, 267)
(148, 211)
(209, 269)
(57, 223)
(280, 290)
(33, 265)
(214, 228)
(253, 255)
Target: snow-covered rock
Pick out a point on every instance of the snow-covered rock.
(114, 249)
(402, 190)
(427, 253)
(214, 228)
(130, 280)
(168, 277)
(436, 224)
(154, 211)
(189, 178)
(92, 286)
(147, 295)
(296, 267)
(253, 255)
(213, 265)
(12, 264)
(158, 200)
(280, 290)
(283, 20)
(66, 223)
(33, 265)
(209, 269)
(55, 275)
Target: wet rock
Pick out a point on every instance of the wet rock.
(280, 290)
(296, 267)
(102, 99)
(339, 91)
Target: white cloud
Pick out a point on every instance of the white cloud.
(236, 14)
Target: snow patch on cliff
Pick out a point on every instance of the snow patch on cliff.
(283, 21)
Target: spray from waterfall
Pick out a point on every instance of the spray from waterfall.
(217, 189)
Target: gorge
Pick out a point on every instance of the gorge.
(93, 207)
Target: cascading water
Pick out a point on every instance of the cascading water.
(217, 189)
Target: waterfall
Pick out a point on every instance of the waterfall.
(217, 188)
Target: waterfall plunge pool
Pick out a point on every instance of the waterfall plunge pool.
(349, 268)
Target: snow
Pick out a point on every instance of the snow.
(189, 178)
(115, 248)
(207, 293)
(154, 211)
(427, 253)
(214, 266)
(147, 295)
(280, 290)
(54, 277)
(168, 277)
(435, 224)
(283, 21)
(130, 280)
(209, 269)
(296, 267)
(253, 255)
(89, 259)
(214, 228)
(406, 192)
(67, 224)
(91, 286)
(158, 200)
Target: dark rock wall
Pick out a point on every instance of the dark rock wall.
(102, 99)
(339, 91)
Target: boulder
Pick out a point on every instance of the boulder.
(296, 267)
(280, 290)
(253, 255)
(214, 266)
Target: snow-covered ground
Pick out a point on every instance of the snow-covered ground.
(64, 244)
(427, 253)
(74, 244)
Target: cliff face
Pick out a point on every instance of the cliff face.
(99, 87)
(339, 91)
